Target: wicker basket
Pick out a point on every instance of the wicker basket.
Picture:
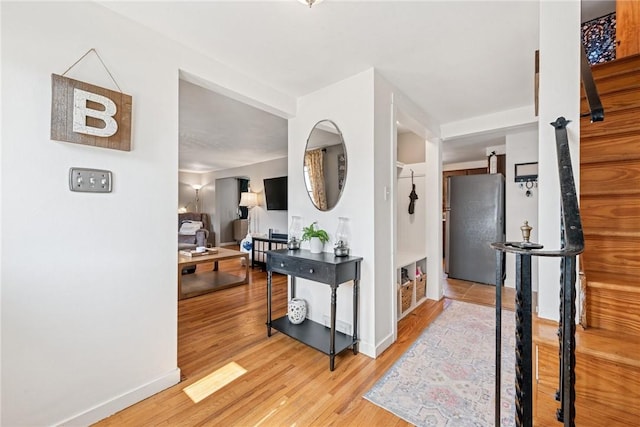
(421, 287)
(407, 294)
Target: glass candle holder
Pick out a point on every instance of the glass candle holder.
(295, 233)
(342, 237)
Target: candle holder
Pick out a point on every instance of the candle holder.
(341, 247)
(295, 233)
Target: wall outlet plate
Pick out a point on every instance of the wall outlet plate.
(90, 180)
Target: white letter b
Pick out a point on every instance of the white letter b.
(81, 111)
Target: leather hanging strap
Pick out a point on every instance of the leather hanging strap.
(413, 196)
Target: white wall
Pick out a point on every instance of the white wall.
(522, 147)
(411, 148)
(349, 103)
(393, 106)
(384, 220)
(559, 96)
(262, 219)
(187, 194)
(227, 203)
(411, 229)
(475, 164)
(88, 324)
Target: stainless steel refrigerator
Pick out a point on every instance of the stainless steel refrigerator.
(474, 219)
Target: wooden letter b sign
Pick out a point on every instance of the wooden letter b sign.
(86, 114)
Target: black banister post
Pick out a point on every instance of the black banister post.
(524, 382)
(499, 284)
(573, 244)
(569, 341)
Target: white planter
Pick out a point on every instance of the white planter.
(297, 310)
(316, 245)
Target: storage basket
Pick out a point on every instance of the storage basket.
(406, 291)
(421, 286)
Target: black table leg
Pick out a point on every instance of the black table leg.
(269, 274)
(356, 290)
(332, 342)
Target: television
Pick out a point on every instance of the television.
(275, 193)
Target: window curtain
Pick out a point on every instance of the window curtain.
(314, 160)
(243, 186)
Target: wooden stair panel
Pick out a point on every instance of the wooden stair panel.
(615, 213)
(614, 309)
(606, 395)
(608, 179)
(615, 123)
(609, 148)
(612, 83)
(616, 100)
(616, 67)
(612, 256)
(607, 376)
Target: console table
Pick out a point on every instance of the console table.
(324, 268)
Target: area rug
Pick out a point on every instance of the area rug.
(447, 377)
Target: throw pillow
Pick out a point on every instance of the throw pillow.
(189, 228)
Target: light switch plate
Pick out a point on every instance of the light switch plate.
(90, 180)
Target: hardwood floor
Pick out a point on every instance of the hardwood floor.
(478, 293)
(286, 383)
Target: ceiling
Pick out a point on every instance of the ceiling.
(217, 132)
(454, 59)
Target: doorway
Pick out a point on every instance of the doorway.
(225, 146)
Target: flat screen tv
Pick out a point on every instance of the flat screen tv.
(275, 193)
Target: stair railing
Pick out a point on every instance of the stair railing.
(595, 106)
(573, 244)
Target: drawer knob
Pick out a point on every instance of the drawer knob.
(282, 264)
(311, 270)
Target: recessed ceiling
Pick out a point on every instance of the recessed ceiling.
(470, 149)
(217, 132)
(454, 59)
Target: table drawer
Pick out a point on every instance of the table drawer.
(314, 271)
(317, 271)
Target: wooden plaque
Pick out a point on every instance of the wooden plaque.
(91, 115)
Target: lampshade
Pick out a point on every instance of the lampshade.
(196, 186)
(248, 199)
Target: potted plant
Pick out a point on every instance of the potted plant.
(316, 237)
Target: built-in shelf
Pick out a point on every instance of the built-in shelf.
(412, 286)
(405, 258)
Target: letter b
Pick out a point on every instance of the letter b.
(81, 111)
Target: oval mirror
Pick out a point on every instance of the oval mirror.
(325, 165)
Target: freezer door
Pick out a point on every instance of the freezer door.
(475, 221)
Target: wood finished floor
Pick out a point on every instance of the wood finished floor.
(478, 293)
(287, 383)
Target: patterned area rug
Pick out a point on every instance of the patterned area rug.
(447, 377)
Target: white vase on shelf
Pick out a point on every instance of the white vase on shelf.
(297, 310)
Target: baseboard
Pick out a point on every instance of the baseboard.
(125, 400)
(383, 345)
